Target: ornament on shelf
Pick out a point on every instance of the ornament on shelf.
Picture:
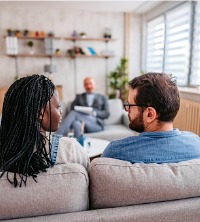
(31, 34)
(58, 52)
(9, 32)
(25, 32)
(50, 34)
(74, 34)
(42, 34)
(107, 33)
(17, 33)
(36, 34)
(83, 35)
(31, 44)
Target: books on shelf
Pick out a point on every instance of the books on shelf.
(88, 51)
(92, 51)
(85, 51)
(48, 45)
(11, 45)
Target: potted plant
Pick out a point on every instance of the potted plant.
(58, 52)
(25, 32)
(30, 44)
(83, 35)
(17, 33)
(118, 81)
(9, 32)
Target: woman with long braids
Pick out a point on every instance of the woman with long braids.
(31, 108)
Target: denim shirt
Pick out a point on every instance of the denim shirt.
(156, 147)
(54, 147)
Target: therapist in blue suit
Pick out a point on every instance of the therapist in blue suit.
(93, 121)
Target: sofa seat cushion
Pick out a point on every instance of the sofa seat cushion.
(119, 183)
(112, 132)
(186, 210)
(62, 189)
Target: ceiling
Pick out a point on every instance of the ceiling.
(141, 6)
(113, 6)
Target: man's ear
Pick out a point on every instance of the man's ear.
(150, 114)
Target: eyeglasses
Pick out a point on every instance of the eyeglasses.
(127, 105)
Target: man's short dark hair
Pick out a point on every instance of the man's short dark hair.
(159, 91)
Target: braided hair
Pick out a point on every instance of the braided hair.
(22, 146)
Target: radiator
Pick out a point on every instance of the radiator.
(188, 117)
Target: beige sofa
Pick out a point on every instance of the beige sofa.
(113, 190)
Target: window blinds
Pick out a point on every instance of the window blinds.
(177, 43)
(155, 45)
(168, 43)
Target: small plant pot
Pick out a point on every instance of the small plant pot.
(83, 35)
(31, 51)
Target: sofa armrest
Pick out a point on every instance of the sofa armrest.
(125, 119)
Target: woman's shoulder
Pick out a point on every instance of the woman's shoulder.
(71, 151)
(70, 142)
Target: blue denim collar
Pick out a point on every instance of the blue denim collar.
(169, 133)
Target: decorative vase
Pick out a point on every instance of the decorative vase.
(31, 51)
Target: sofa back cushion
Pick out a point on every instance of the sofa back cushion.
(119, 183)
(63, 188)
(116, 111)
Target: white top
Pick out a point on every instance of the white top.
(70, 151)
(94, 147)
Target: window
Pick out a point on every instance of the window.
(195, 61)
(175, 43)
(155, 44)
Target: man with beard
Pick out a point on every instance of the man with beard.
(152, 105)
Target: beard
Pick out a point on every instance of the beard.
(137, 124)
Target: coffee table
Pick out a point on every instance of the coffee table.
(94, 147)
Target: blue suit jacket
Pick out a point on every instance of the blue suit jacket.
(100, 105)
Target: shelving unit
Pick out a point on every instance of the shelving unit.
(74, 39)
(52, 56)
(61, 56)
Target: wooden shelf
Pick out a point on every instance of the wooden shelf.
(60, 56)
(39, 55)
(66, 38)
(89, 39)
(34, 37)
(92, 56)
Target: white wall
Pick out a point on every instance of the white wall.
(62, 21)
(135, 47)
